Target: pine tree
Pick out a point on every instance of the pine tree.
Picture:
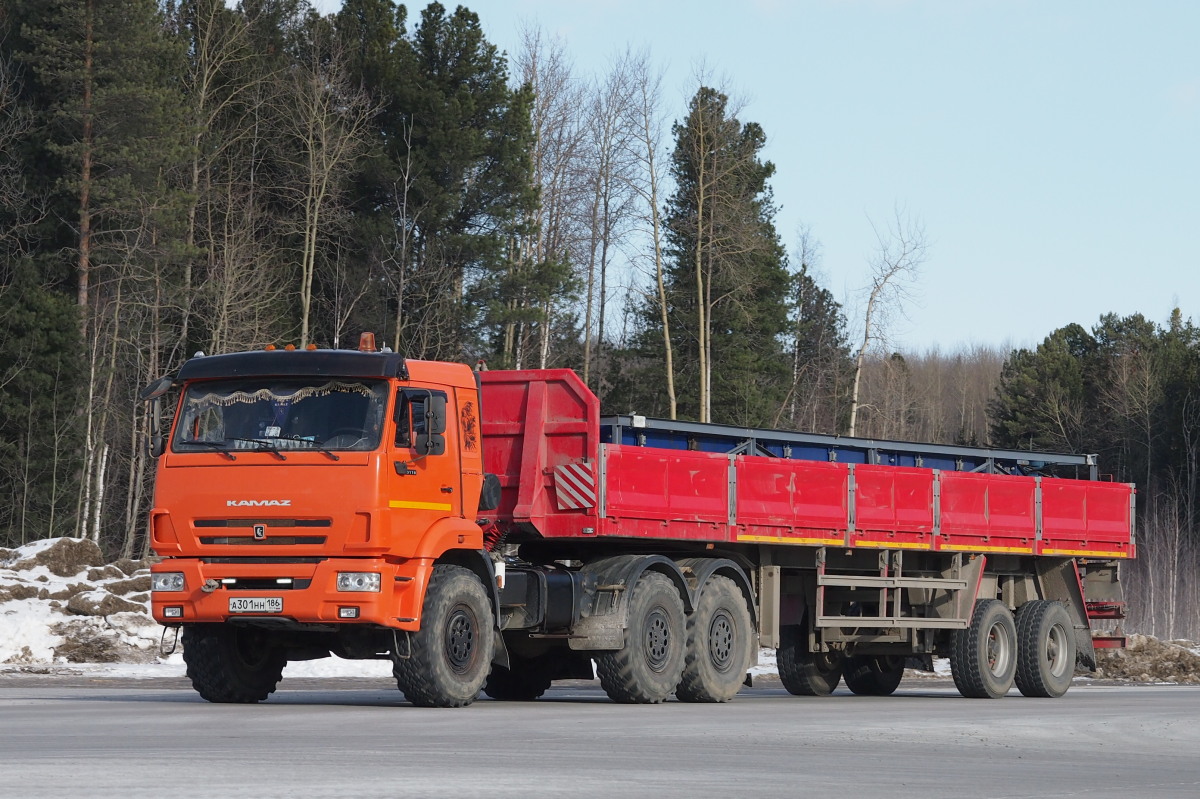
(727, 277)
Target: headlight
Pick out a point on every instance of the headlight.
(166, 581)
(358, 581)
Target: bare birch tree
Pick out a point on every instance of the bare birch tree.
(900, 252)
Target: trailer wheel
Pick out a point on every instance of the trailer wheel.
(805, 673)
(1045, 649)
(983, 657)
(648, 668)
(873, 675)
(451, 654)
(227, 663)
(528, 679)
(719, 644)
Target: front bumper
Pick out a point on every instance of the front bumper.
(311, 596)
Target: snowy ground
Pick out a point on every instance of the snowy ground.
(63, 608)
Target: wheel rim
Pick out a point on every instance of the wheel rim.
(460, 639)
(720, 641)
(999, 652)
(657, 644)
(1057, 650)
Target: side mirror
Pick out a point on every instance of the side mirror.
(156, 389)
(152, 393)
(435, 414)
(432, 441)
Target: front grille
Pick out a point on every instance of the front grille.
(261, 561)
(275, 540)
(265, 522)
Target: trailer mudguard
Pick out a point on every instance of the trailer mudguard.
(697, 571)
(1058, 578)
(604, 617)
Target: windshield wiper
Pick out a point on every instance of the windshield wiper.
(215, 446)
(319, 446)
(263, 446)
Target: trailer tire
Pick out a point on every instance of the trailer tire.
(719, 645)
(1045, 649)
(450, 656)
(648, 668)
(232, 664)
(805, 673)
(873, 675)
(524, 681)
(983, 657)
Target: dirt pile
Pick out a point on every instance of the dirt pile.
(60, 601)
(1147, 659)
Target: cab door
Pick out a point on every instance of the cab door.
(424, 484)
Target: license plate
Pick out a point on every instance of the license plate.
(269, 604)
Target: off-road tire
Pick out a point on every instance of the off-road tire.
(719, 644)
(873, 675)
(983, 657)
(1045, 649)
(231, 664)
(527, 680)
(805, 673)
(648, 668)
(450, 656)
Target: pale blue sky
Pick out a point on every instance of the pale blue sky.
(1050, 148)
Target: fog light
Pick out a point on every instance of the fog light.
(358, 581)
(173, 612)
(166, 581)
(347, 613)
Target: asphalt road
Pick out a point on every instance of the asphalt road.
(65, 738)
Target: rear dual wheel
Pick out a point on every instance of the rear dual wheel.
(983, 657)
(719, 644)
(228, 663)
(1045, 649)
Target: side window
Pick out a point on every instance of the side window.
(412, 405)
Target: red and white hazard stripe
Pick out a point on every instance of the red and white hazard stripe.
(575, 486)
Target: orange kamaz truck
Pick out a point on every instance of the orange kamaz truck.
(491, 531)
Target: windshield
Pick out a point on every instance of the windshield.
(284, 414)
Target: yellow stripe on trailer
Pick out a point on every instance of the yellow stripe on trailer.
(1023, 550)
(1086, 553)
(770, 539)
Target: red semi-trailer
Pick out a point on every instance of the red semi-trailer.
(494, 532)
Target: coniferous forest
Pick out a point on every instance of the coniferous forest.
(179, 176)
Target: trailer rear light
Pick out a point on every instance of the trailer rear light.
(166, 581)
(347, 613)
(358, 581)
(173, 612)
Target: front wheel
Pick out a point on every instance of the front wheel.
(1045, 649)
(983, 657)
(648, 668)
(451, 655)
(719, 644)
(227, 663)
